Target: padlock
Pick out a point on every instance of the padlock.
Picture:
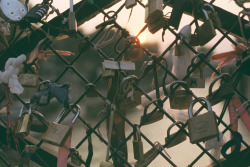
(40, 125)
(157, 25)
(4, 27)
(153, 11)
(73, 155)
(106, 164)
(28, 151)
(130, 3)
(13, 10)
(225, 90)
(206, 31)
(107, 74)
(195, 82)
(72, 21)
(134, 52)
(91, 90)
(176, 14)
(36, 13)
(137, 144)
(127, 96)
(180, 99)
(179, 49)
(212, 14)
(23, 123)
(181, 137)
(57, 133)
(28, 79)
(202, 127)
(149, 118)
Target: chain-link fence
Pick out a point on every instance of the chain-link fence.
(98, 68)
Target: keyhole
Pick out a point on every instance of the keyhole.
(12, 13)
(19, 18)
(8, 3)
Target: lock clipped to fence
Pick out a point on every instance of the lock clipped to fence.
(149, 118)
(58, 133)
(127, 96)
(212, 14)
(179, 138)
(202, 127)
(137, 144)
(180, 99)
(23, 123)
(225, 90)
(134, 52)
(73, 154)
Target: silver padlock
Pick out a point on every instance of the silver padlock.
(196, 82)
(153, 11)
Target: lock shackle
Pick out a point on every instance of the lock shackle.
(21, 111)
(147, 106)
(222, 76)
(182, 83)
(190, 109)
(65, 112)
(193, 64)
(127, 82)
(190, 68)
(208, 6)
(45, 83)
(137, 134)
(172, 125)
(205, 14)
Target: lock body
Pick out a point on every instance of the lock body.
(196, 82)
(130, 3)
(156, 116)
(22, 125)
(72, 24)
(57, 134)
(106, 164)
(153, 11)
(215, 19)
(28, 79)
(75, 160)
(138, 149)
(179, 49)
(36, 13)
(202, 127)
(181, 137)
(157, 25)
(106, 74)
(180, 99)
(206, 32)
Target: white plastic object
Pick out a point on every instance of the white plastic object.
(12, 68)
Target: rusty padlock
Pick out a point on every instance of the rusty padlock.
(74, 154)
(23, 123)
(202, 127)
(127, 96)
(195, 82)
(137, 143)
(181, 137)
(225, 90)
(149, 118)
(180, 99)
(206, 31)
(58, 133)
(134, 52)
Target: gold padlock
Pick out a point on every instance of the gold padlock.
(202, 127)
(181, 137)
(58, 133)
(28, 79)
(195, 82)
(212, 14)
(130, 3)
(149, 118)
(23, 123)
(106, 164)
(137, 144)
(180, 99)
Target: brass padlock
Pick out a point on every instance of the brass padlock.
(28, 79)
(212, 14)
(127, 96)
(134, 52)
(179, 49)
(225, 90)
(72, 20)
(23, 123)
(196, 82)
(91, 90)
(206, 31)
(137, 144)
(157, 25)
(181, 137)
(130, 3)
(106, 164)
(73, 155)
(153, 11)
(180, 99)
(202, 127)
(57, 133)
(149, 118)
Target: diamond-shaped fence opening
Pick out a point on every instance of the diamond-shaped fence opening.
(103, 75)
